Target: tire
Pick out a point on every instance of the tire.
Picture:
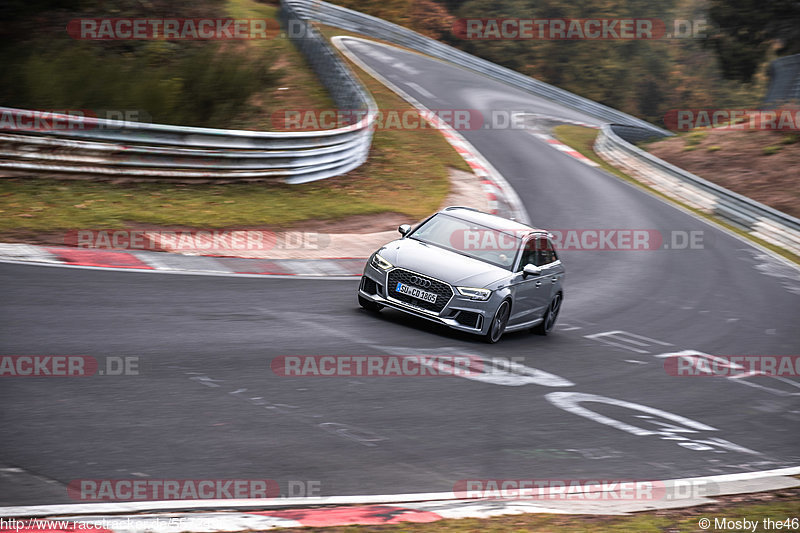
(550, 316)
(499, 323)
(369, 306)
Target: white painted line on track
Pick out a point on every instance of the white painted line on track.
(486, 169)
(421, 90)
(626, 340)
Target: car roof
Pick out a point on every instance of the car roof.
(491, 221)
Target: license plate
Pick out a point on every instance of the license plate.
(414, 292)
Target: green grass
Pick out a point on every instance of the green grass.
(407, 173)
(303, 89)
(582, 139)
(30, 206)
(223, 84)
(672, 521)
(770, 150)
(196, 83)
(696, 137)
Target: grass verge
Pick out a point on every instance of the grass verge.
(755, 507)
(582, 140)
(407, 173)
(297, 86)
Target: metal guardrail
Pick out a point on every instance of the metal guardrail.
(348, 19)
(614, 141)
(142, 150)
(762, 221)
(784, 80)
(157, 150)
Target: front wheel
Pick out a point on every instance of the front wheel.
(368, 305)
(499, 323)
(550, 316)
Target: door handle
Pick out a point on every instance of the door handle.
(554, 279)
(538, 283)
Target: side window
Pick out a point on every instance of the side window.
(545, 252)
(539, 252)
(528, 254)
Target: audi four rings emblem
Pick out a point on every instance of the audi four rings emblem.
(420, 282)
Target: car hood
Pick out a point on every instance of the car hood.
(442, 264)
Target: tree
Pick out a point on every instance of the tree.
(745, 30)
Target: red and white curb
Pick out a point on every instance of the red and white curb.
(279, 518)
(164, 262)
(228, 521)
(570, 151)
(492, 187)
(243, 515)
(503, 199)
(552, 141)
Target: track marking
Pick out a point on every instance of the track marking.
(571, 402)
(512, 206)
(693, 356)
(361, 436)
(496, 371)
(421, 90)
(626, 340)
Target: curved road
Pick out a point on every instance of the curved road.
(206, 404)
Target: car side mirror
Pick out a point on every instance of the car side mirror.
(531, 270)
(404, 229)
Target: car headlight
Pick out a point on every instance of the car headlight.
(475, 294)
(381, 263)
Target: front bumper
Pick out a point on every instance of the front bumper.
(459, 313)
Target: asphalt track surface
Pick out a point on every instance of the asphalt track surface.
(207, 406)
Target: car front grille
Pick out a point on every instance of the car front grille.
(442, 290)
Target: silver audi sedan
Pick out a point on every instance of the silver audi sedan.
(470, 271)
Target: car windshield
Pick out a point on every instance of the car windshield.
(467, 238)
